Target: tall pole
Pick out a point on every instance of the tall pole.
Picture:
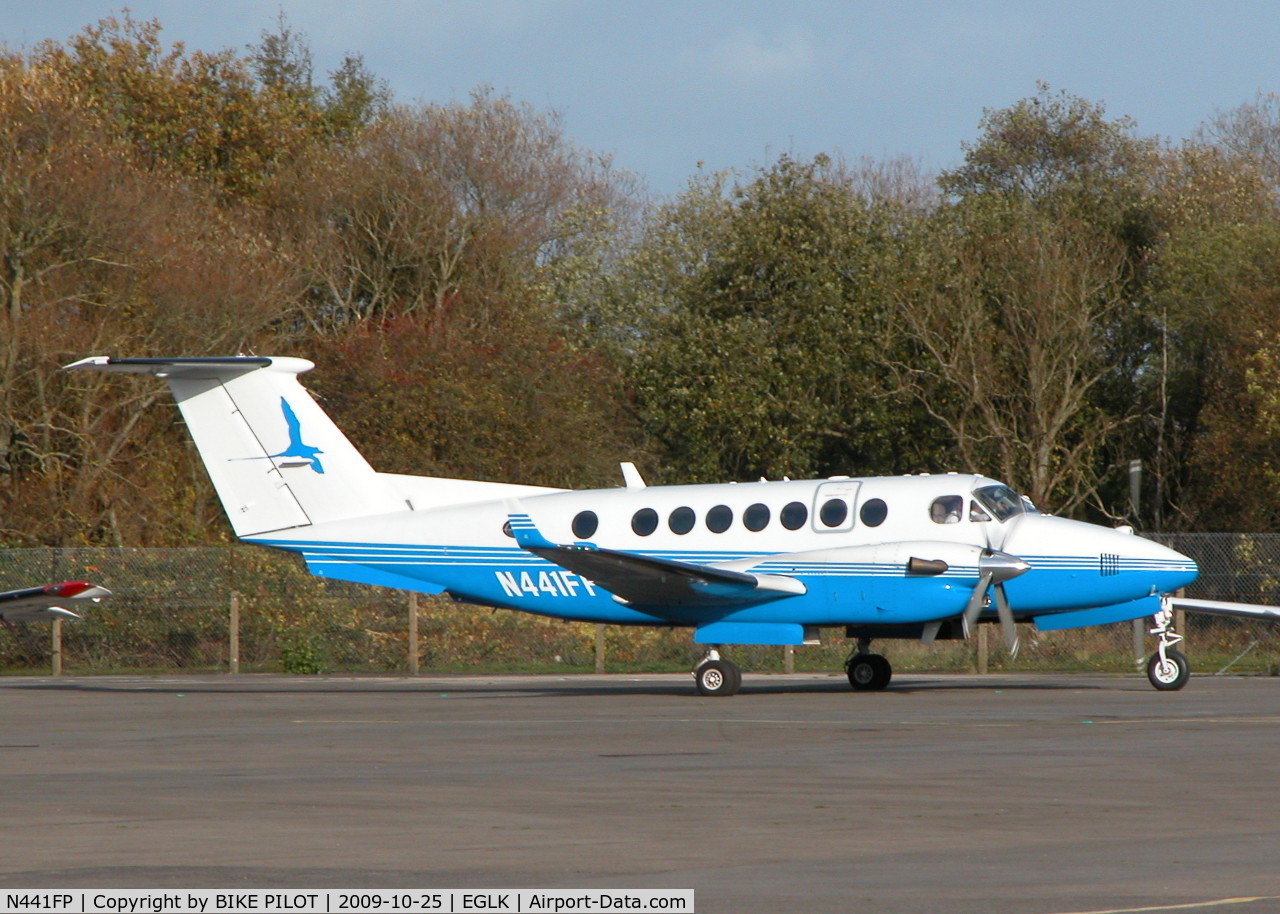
(1135, 489)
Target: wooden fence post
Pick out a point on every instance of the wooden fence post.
(599, 648)
(413, 633)
(233, 634)
(57, 646)
(982, 650)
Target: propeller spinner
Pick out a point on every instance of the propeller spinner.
(994, 568)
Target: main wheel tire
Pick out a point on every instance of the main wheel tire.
(869, 672)
(861, 673)
(1170, 675)
(718, 678)
(884, 672)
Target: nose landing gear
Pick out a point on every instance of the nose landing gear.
(1167, 669)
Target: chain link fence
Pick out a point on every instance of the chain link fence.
(247, 609)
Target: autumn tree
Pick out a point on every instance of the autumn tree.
(166, 202)
(1007, 325)
(1026, 315)
(437, 208)
(234, 122)
(1216, 290)
(1248, 133)
(763, 328)
(439, 244)
(106, 250)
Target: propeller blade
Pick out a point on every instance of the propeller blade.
(1007, 624)
(995, 568)
(977, 601)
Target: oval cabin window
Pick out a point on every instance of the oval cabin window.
(833, 512)
(681, 520)
(644, 521)
(794, 516)
(719, 518)
(585, 525)
(873, 512)
(756, 518)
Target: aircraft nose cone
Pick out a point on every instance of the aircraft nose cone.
(1078, 564)
(1179, 570)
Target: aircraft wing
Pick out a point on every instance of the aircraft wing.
(1225, 608)
(42, 603)
(648, 581)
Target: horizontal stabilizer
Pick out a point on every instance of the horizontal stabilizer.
(275, 458)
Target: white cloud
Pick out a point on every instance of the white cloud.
(747, 55)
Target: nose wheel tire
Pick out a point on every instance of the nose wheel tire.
(1169, 674)
(718, 678)
(869, 672)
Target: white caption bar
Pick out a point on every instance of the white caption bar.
(338, 901)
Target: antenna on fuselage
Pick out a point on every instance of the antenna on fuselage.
(631, 476)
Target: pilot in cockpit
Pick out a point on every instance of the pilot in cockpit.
(946, 510)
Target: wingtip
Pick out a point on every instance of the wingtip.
(92, 362)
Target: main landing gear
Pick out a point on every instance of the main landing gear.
(867, 671)
(717, 677)
(721, 678)
(1167, 669)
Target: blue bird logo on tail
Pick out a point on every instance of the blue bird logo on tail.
(296, 446)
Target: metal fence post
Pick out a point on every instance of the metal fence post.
(599, 648)
(57, 647)
(413, 633)
(233, 626)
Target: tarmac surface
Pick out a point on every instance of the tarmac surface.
(1034, 794)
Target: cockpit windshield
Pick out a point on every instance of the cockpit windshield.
(1003, 502)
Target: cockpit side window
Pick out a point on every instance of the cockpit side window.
(947, 509)
(976, 514)
(1003, 502)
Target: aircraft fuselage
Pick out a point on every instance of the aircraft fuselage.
(848, 541)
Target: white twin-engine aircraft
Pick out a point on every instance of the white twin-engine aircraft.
(922, 557)
(40, 604)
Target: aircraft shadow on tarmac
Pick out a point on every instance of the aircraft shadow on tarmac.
(466, 687)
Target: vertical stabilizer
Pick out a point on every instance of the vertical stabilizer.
(275, 458)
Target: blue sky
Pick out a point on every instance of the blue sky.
(667, 87)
